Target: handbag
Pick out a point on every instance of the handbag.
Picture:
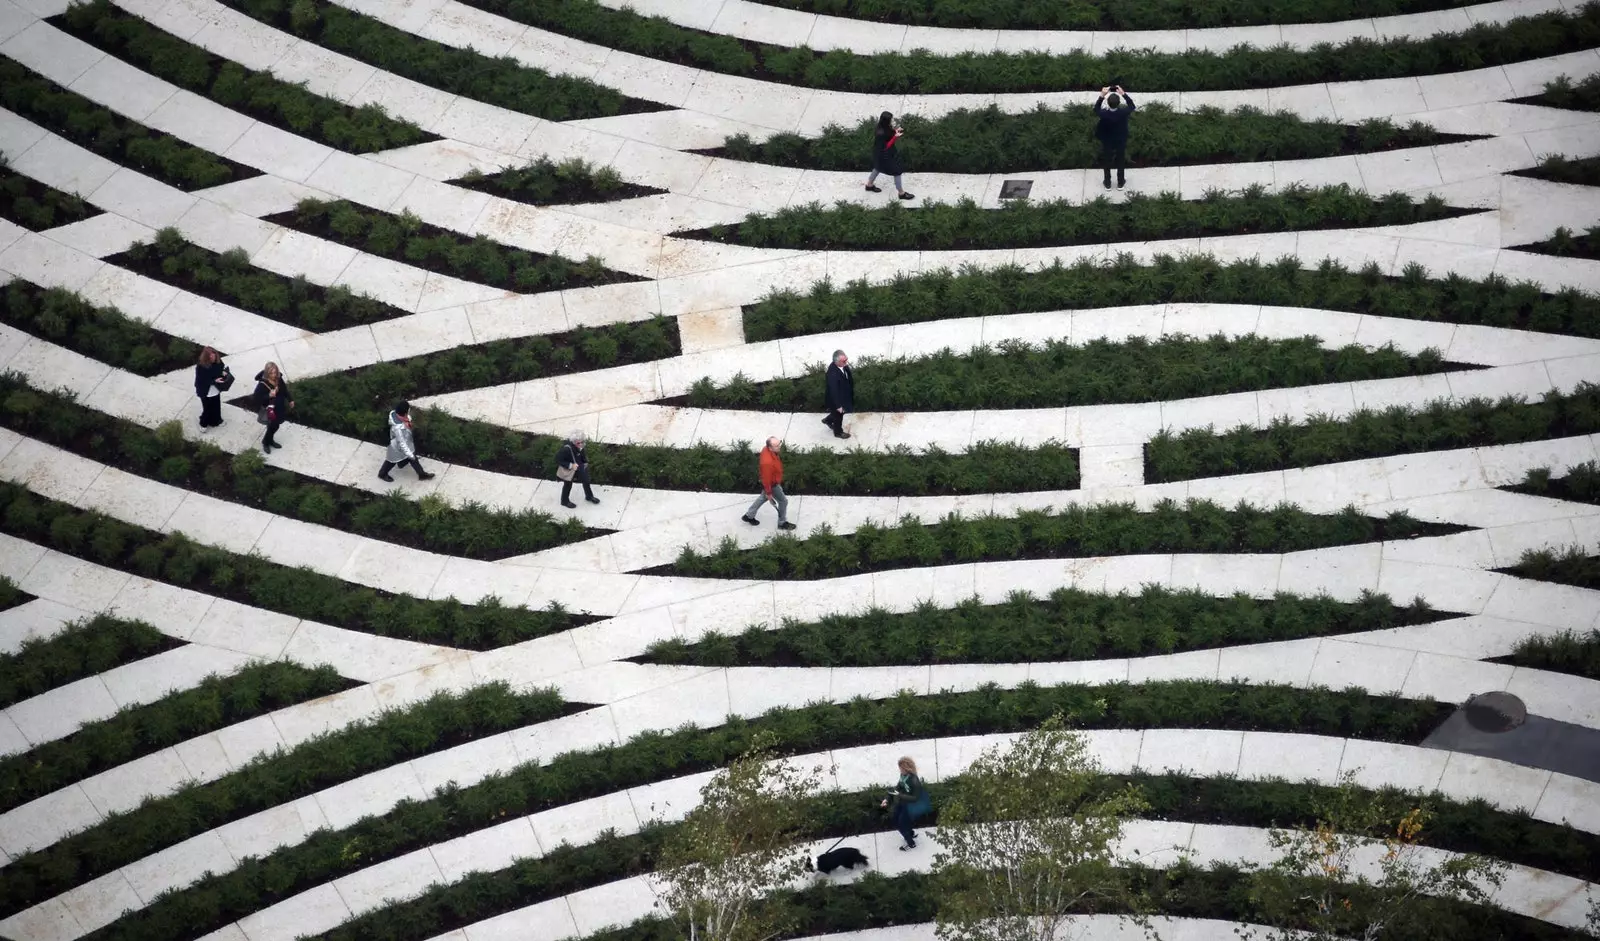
(227, 379)
(566, 473)
(267, 415)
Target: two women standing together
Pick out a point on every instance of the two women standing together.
(271, 399)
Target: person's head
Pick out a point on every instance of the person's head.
(577, 437)
(402, 408)
(208, 355)
(774, 443)
(885, 121)
(839, 359)
(270, 373)
(1114, 101)
(907, 766)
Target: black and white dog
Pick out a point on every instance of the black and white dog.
(847, 857)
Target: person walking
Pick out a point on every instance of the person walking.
(573, 464)
(402, 446)
(211, 379)
(886, 156)
(910, 800)
(771, 486)
(1111, 129)
(839, 396)
(272, 403)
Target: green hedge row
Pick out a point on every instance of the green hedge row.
(1578, 566)
(102, 333)
(1058, 373)
(1566, 652)
(35, 206)
(1219, 892)
(1102, 15)
(548, 183)
(258, 94)
(926, 73)
(1581, 171)
(1370, 433)
(81, 649)
(1565, 243)
(218, 702)
(1471, 827)
(406, 238)
(1581, 483)
(103, 131)
(473, 530)
(252, 580)
(988, 140)
(654, 756)
(1070, 624)
(231, 278)
(442, 721)
(980, 292)
(501, 80)
(1023, 224)
(11, 595)
(1563, 92)
(1075, 532)
(364, 395)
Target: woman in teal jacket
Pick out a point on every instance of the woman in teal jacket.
(910, 801)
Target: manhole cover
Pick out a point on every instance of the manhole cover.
(1495, 712)
(1015, 189)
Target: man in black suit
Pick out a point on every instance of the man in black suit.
(840, 397)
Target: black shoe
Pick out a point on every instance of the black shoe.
(385, 478)
(1121, 183)
(1108, 182)
(426, 475)
(841, 434)
(276, 444)
(751, 520)
(569, 504)
(592, 499)
(873, 189)
(266, 448)
(907, 196)
(786, 526)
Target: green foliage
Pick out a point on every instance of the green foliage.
(1580, 171)
(1566, 652)
(1368, 433)
(102, 333)
(547, 183)
(988, 140)
(271, 100)
(1563, 92)
(230, 278)
(102, 131)
(1578, 566)
(1565, 243)
(1022, 224)
(1123, 280)
(921, 72)
(136, 731)
(11, 595)
(1581, 483)
(369, 391)
(1078, 531)
(501, 80)
(215, 900)
(35, 206)
(1100, 372)
(442, 721)
(1099, 14)
(472, 530)
(1071, 624)
(407, 238)
(81, 649)
(252, 580)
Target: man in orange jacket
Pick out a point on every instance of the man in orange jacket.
(771, 486)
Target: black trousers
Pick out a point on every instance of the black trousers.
(210, 411)
(581, 476)
(272, 429)
(415, 463)
(834, 419)
(1114, 152)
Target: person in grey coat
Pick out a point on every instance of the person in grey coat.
(402, 449)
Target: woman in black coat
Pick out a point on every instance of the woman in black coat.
(272, 403)
(211, 379)
(886, 156)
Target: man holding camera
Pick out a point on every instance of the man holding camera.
(1111, 129)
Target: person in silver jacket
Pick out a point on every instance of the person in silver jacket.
(402, 449)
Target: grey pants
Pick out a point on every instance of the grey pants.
(777, 495)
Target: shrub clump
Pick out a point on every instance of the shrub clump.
(37, 207)
(548, 183)
(81, 649)
(102, 333)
